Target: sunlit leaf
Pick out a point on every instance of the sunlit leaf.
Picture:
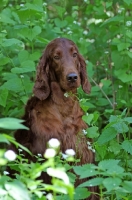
(11, 123)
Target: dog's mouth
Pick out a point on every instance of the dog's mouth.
(72, 86)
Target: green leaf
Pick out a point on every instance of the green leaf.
(111, 183)
(102, 102)
(60, 23)
(3, 139)
(36, 7)
(88, 118)
(107, 135)
(115, 171)
(121, 127)
(42, 40)
(10, 42)
(4, 60)
(114, 147)
(5, 16)
(123, 75)
(11, 123)
(13, 85)
(35, 56)
(92, 132)
(12, 140)
(127, 146)
(92, 182)
(85, 171)
(128, 2)
(129, 54)
(127, 185)
(17, 190)
(113, 19)
(3, 97)
(23, 56)
(57, 30)
(60, 10)
(105, 164)
(34, 32)
(101, 150)
(81, 193)
(122, 46)
(128, 119)
(26, 66)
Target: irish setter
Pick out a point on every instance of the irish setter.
(49, 113)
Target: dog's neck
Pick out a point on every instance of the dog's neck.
(60, 96)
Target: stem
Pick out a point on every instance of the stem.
(23, 87)
(112, 105)
(101, 192)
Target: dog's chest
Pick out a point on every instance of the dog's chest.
(57, 120)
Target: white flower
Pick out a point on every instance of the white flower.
(10, 155)
(58, 173)
(90, 40)
(20, 150)
(128, 23)
(50, 153)
(120, 86)
(49, 196)
(109, 14)
(84, 132)
(70, 152)
(39, 155)
(88, 143)
(106, 52)
(69, 32)
(120, 10)
(21, 76)
(5, 173)
(64, 156)
(54, 143)
(66, 94)
(85, 32)
(97, 21)
(74, 22)
(44, 4)
(92, 20)
(93, 150)
(89, 147)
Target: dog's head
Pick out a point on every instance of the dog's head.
(61, 62)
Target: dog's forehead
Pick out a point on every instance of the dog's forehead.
(63, 46)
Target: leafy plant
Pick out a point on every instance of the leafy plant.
(102, 31)
(26, 186)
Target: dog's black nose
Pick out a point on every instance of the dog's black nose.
(72, 77)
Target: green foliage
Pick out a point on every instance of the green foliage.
(109, 175)
(102, 31)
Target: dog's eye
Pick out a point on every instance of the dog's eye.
(75, 55)
(56, 57)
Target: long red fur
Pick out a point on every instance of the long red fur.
(49, 113)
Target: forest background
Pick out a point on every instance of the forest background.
(102, 31)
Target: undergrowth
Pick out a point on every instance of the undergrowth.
(103, 33)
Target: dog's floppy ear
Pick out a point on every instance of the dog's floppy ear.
(86, 86)
(41, 88)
